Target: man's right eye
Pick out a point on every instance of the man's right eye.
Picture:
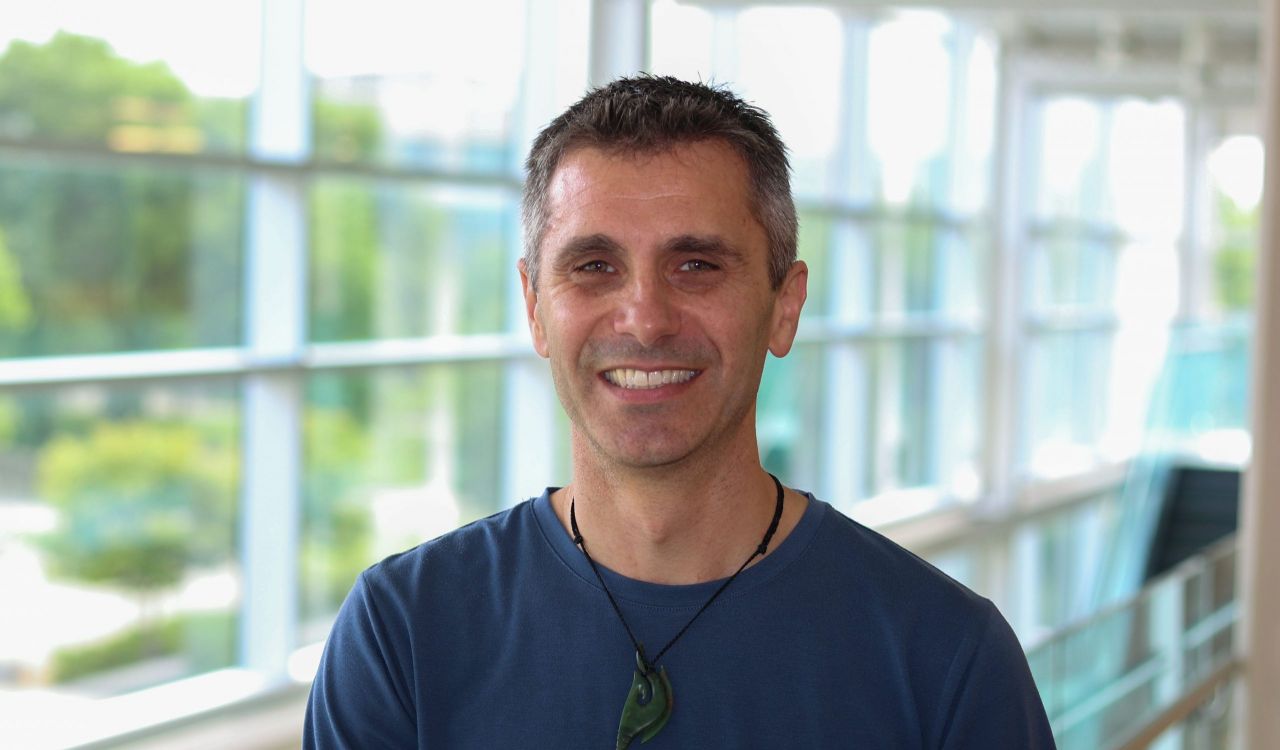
(595, 266)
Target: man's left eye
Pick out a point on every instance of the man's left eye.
(698, 265)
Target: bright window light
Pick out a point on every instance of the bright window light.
(1235, 167)
(193, 39)
(681, 42)
(907, 54)
(1072, 130)
(438, 83)
(804, 107)
(1146, 169)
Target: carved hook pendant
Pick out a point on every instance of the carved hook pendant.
(648, 705)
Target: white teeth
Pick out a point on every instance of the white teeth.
(629, 378)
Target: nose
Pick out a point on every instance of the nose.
(647, 311)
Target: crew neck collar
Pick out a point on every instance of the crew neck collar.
(675, 595)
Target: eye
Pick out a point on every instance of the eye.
(698, 265)
(595, 266)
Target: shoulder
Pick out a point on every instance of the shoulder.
(477, 551)
(889, 575)
(396, 610)
(918, 616)
(960, 654)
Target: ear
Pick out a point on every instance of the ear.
(531, 310)
(786, 309)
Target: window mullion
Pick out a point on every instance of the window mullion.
(619, 39)
(844, 423)
(275, 330)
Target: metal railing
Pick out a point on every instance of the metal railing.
(1127, 674)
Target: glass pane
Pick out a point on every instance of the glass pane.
(1066, 401)
(409, 84)
(958, 386)
(1235, 170)
(900, 447)
(1069, 135)
(72, 72)
(118, 553)
(786, 60)
(392, 458)
(922, 267)
(925, 396)
(122, 258)
(1072, 271)
(790, 417)
(976, 119)
(908, 136)
(816, 247)
(390, 260)
(789, 62)
(1146, 168)
(681, 41)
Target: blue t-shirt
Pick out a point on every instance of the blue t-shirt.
(498, 635)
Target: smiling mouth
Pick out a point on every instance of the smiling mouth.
(644, 379)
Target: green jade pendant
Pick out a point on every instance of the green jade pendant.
(648, 704)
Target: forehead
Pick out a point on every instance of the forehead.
(702, 181)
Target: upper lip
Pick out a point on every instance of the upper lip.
(649, 367)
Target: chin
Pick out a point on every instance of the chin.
(649, 457)
(644, 452)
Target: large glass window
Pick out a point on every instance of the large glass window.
(206, 347)
(786, 60)
(155, 382)
(892, 192)
(1101, 275)
(405, 84)
(97, 258)
(391, 260)
(74, 71)
(118, 535)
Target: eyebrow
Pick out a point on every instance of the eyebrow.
(711, 246)
(572, 252)
(568, 254)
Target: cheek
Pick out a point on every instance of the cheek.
(745, 334)
(563, 333)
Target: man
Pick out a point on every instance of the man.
(674, 593)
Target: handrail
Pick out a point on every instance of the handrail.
(1122, 676)
(1132, 680)
(1180, 709)
(1184, 569)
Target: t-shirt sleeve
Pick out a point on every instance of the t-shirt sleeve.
(360, 697)
(996, 703)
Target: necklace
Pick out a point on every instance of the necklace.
(649, 702)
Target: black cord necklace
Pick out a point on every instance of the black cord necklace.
(649, 702)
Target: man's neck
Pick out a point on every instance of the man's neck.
(675, 525)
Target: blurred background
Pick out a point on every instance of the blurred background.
(260, 325)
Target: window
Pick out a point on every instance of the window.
(1235, 174)
(75, 72)
(118, 525)
(1102, 275)
(168, 418)
(408, 86)
(892, 193)
(260, 326)
(114, 259)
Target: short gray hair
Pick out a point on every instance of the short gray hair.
(649, 114)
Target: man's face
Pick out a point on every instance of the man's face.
(654, 304)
